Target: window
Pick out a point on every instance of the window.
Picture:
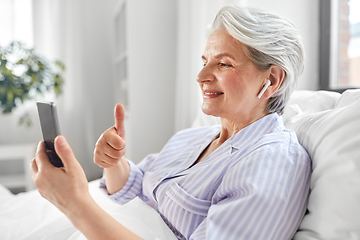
(340, 44)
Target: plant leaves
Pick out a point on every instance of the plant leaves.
(26, 120)
(35, 74)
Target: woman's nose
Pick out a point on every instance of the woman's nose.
(206, 74)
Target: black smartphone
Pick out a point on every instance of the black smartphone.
(50, 129)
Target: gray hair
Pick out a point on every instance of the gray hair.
(268, 39)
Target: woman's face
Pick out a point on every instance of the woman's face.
(229, 80)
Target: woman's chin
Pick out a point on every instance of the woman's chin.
(209, 111)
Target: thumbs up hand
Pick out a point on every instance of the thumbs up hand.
(110, 147)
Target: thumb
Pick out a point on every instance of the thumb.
(64, 152)
(119, 120)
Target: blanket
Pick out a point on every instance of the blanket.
(29, 216)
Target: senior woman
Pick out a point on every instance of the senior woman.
(245, 179)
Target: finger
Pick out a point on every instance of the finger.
(100, 157)
(33, 169)
(41, 158)
(113, 154)
(111, 139)
(102, 160)
(105, 165)
(116, 144)
(65, 153)
(119, 120)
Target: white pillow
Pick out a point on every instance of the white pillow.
(309, 101)
(332, 138)
(314, 100)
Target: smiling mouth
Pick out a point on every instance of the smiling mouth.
(217, 93)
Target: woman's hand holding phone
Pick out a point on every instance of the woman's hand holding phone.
(67, 189)
(64, 187)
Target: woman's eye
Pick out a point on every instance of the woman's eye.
(225, 65)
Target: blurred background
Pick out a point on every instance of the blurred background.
(146, 55)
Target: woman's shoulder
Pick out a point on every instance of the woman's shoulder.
(284, 137)
(278, 135)
(278, 152)
(275, 144)
(284, 141)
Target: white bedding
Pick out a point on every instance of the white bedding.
(31, 217)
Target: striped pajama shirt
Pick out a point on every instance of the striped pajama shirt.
(254, 186)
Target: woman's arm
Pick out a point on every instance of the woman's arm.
(116, 176)
(67, 189)
(95, 223)
(109, 153)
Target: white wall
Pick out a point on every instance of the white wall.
(86, 107)
(152, 73)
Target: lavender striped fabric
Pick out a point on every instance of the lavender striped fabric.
(254, 186)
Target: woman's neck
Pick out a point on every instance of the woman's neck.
(230, 127)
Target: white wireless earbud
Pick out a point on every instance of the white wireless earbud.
(267, 84)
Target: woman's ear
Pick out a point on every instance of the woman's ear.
(276, 76)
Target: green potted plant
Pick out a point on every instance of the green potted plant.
(24, 74)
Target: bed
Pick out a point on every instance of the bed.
(327, 125)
